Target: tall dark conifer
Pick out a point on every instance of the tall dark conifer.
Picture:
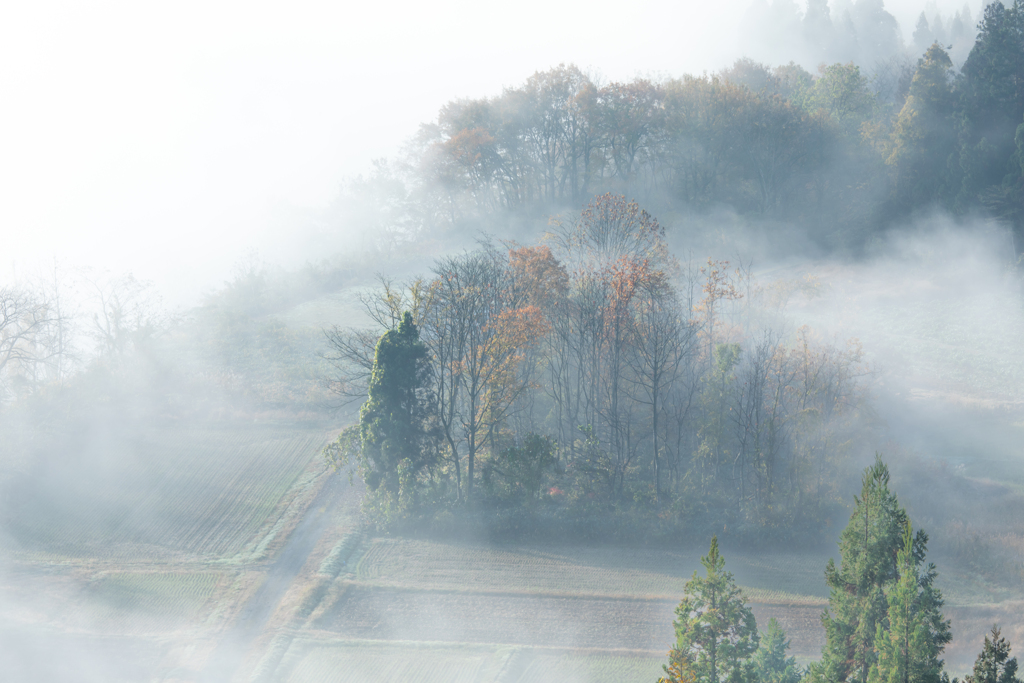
(393, 423)
(991, 89)
(884, 622)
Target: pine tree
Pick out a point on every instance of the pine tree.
(679, 668)
(994, 664)
(909, 649)
(715, 630)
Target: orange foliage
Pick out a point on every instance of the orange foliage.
(538, 274)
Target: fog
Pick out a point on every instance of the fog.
(168, 141)
(197, 193)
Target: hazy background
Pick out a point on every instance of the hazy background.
(169, 140)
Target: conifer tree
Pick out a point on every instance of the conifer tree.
(908, 650)
(868, 549)
(771, 665)
(879, 572)
(393, 421)
(994, 664)
(715, 630)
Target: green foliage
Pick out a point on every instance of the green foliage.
(771, 665)
(991, 89)
(393, 423)
(924, 137)
(908, 649)
(679, 668)
(516, 474)
(994, 664)
(868, 548)
(714, 627)
(394, 442)
(882, 608)
(841, 91)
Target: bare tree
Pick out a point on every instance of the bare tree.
(26, 320)
(662, 344)
(127, 316)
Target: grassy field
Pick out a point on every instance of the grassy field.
(544, 667)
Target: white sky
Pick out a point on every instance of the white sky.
(168, 138)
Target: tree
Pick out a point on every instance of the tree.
(679, 669)
(774, 144)
(923, 138)
(868, 549)
(27, 322)
(908, 650)
(871, 587)
(771, 665)
(661, 343)
(714, 627)
(393, 423)
(991, 89)
(129, 316)
(517, 472)
(994, 664)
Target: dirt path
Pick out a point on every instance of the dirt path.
(280, 575)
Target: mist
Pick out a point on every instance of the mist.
(216, 214)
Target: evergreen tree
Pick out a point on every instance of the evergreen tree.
(771, 665)
(868, 549)
(393, 423)
(991, 90)
(715, 630)
(908, 651)
(923, 34)
(884, 622)
(994, 664)
(924, 138)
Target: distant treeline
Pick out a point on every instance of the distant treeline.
(860, 31)
(841, 152)
(595, 374)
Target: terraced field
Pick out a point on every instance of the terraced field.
(546, 602)
(138, 602)
(414, 662)
(199, 494)
(794, 578)
(218, 557)
(140, 551)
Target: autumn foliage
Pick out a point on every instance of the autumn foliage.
(657, 386)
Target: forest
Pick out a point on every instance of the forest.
(844, 152)
(592, 374)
